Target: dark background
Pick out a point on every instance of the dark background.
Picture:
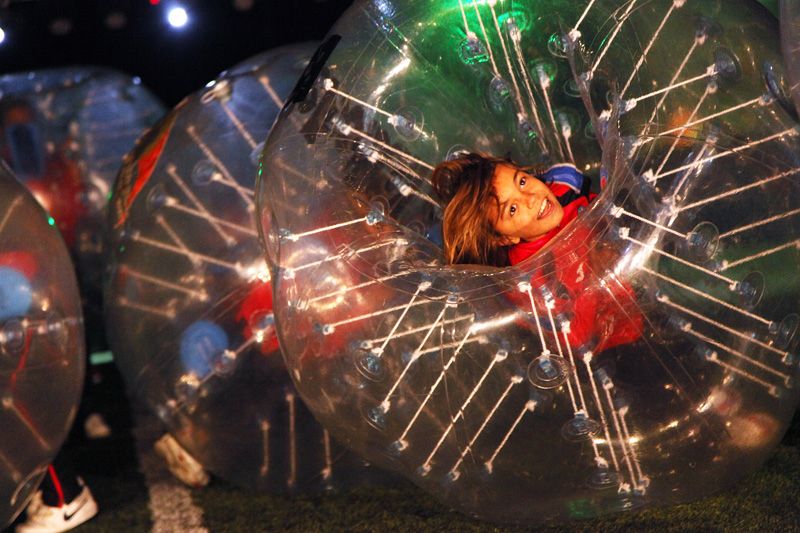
(172, 63)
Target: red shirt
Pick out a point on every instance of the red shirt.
(258, 302)
(22, 262)
(601, 308)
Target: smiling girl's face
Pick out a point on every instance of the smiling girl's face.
(526, 208)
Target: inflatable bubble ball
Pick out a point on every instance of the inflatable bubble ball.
(64, 132)
(41, 344)
(638, 349)
(790, 41)
(189, 295)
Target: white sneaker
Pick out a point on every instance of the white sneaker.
(182, 465)
(95, 427)
(43, 518)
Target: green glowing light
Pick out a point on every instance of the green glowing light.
(557, 45)
(101, 358)
(51, 221)
(518, 17)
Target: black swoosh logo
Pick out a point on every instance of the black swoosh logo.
(67, 515)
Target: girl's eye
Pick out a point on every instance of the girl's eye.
(512, 210)
(522, 182)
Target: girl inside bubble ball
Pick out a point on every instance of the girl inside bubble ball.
(498, 213)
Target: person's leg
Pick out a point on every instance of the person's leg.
(90, 422)
(62, 503)
(180, 463)
(60, 485)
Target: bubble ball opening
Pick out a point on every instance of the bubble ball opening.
(667, 304)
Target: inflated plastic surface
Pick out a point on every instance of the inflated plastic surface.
(790, 40)
(64, 132)
(41, 344)
(647, 355)
(189, 296)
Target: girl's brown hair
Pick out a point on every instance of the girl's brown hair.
(466, 185)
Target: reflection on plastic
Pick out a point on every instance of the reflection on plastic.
(790, 40)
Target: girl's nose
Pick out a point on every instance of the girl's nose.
(532, 200)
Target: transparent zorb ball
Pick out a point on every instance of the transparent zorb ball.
(790, 41)
(645, 356)
(189, 295)
(64, 132)
(41, 344)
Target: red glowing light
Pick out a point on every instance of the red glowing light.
(154, 2)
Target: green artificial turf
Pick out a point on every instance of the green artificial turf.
(111, 470)
(768, 500)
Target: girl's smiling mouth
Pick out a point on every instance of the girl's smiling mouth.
(545, 209)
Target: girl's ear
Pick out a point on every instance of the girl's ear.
(505, 240)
